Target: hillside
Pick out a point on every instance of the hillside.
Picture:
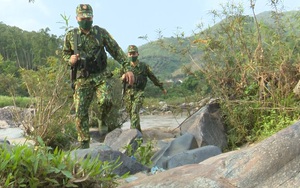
(167, 56)
(167, 64)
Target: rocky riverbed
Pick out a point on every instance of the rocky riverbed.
(15, 135)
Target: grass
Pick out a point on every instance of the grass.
(18, 101)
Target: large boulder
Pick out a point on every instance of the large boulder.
(105, 153)
(274, 162)
(119, 139)
(206, 125)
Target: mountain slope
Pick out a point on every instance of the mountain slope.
(167, 64)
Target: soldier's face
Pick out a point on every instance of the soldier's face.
(133, 54)
(82, 19)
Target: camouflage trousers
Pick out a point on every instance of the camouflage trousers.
(85, 90)
(133, 103)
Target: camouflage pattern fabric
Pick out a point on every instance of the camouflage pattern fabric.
(89, 44)
(96, 83)
(134, 95)
(85, 89)
(141, 72)
(133, 100)
(132, 48)
(84, 11)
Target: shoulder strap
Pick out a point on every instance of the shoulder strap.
(76, 41)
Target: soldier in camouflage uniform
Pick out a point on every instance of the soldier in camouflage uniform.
(134, 95)
(91, 61)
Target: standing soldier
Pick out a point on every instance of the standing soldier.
(84, 50)
(134, 94)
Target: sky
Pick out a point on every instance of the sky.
(126, 21)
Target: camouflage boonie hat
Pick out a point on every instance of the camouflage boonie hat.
(132, 48)
(84, 11)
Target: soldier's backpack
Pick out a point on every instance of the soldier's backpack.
(98, 64)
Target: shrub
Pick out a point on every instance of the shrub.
(37, 167)
(143, 152)
(50, 92)
(251, 65)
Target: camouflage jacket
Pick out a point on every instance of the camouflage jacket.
(92, 47)
(141, 72)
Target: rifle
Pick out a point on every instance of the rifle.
(73, 76)
(74, 67)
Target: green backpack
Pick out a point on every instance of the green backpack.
(99, 61)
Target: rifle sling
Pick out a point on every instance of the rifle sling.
(75, 41)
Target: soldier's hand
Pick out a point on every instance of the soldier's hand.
(128, 77)
(74, 58)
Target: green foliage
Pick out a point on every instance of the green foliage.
(10, 79)
(190, 83)
(249, 121)
(143, 153)
(22, 49)
(162, 57)
(26, 166)
(272, 123)
(9, 83)
(240, 118)
(8, 67)
(28, 49)
(250, 63)
(15, 101)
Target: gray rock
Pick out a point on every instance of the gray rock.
(206, 126)
(110, 138)
(183, 143)
(120, 142)
(193, 156)
(104, 153)
(3, 124)
(14, 116)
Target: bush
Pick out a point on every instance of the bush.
(249, 121)
(26, 166)
(143, 152)
(50, 92)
